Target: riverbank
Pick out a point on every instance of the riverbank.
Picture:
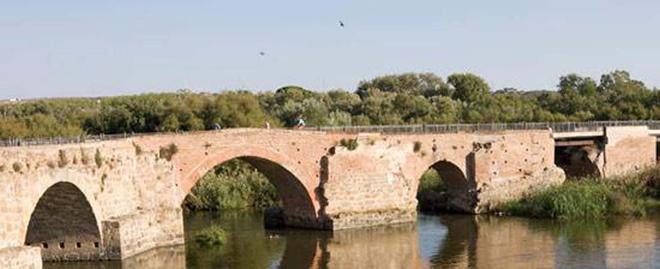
(635, 194)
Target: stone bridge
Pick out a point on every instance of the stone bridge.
(113, 199)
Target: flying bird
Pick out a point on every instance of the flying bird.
(262, 53)
(341, 24)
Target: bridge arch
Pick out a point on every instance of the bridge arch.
(64, 224)
(456, 191)
(294, 186)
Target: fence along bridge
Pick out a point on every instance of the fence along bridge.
(113, 196)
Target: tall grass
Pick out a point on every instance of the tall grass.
(632, 194)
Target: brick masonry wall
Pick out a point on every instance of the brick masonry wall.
(628, 149)
(377, 182)
(120, 182)
(20, 258)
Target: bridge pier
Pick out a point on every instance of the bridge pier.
(628, 149)
(131, 234)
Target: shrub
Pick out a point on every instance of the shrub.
(84, 158)
(3, 168)
(103, 178)
(138, 149)
(17, 167)
(211, 236)
(432, 192)
(232, 185)
(63, 160)
(168, 152)
(350, 144)
(51, 164)
(98, 159)
(417, 146)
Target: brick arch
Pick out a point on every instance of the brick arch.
(293, 183)
(460, 188)
(64, 224)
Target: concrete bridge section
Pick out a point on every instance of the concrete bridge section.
(114, 199)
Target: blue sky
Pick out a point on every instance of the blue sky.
(93, 48)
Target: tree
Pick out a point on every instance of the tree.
(427, 84)
(468, 87)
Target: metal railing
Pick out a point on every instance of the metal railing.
(557, 127)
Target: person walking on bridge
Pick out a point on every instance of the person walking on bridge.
(300, 122)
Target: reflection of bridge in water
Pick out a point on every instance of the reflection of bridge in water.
(112, 199)
(448, 241)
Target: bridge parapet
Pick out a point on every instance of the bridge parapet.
(556, 127)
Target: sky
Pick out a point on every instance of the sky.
(99, 48)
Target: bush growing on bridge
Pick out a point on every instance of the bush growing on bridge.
(98, 159)
(350, 144)
(63, 160)
(17, 167)
(417, 146)
(168, 152)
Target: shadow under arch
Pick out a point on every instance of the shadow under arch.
(577, 161)
(64, 225)
(457, 195)
(298, 206)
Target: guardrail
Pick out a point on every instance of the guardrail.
(557, 127)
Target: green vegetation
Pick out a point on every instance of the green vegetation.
(432, 193)
(168, 152)
(98, 159)
(634, 194)
(393, 99)
(417, 146)
(233, 185)
(17, 167)
(211, 236)
(63, 160)
(350, 144)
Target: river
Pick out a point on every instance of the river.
(444, 241)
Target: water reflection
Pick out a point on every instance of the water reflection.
(173, 257)
(447, 241)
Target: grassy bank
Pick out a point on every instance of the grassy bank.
(635, 194)
(233, 185)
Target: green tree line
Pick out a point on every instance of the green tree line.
(410, 98)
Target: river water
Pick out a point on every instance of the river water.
(444, 241)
